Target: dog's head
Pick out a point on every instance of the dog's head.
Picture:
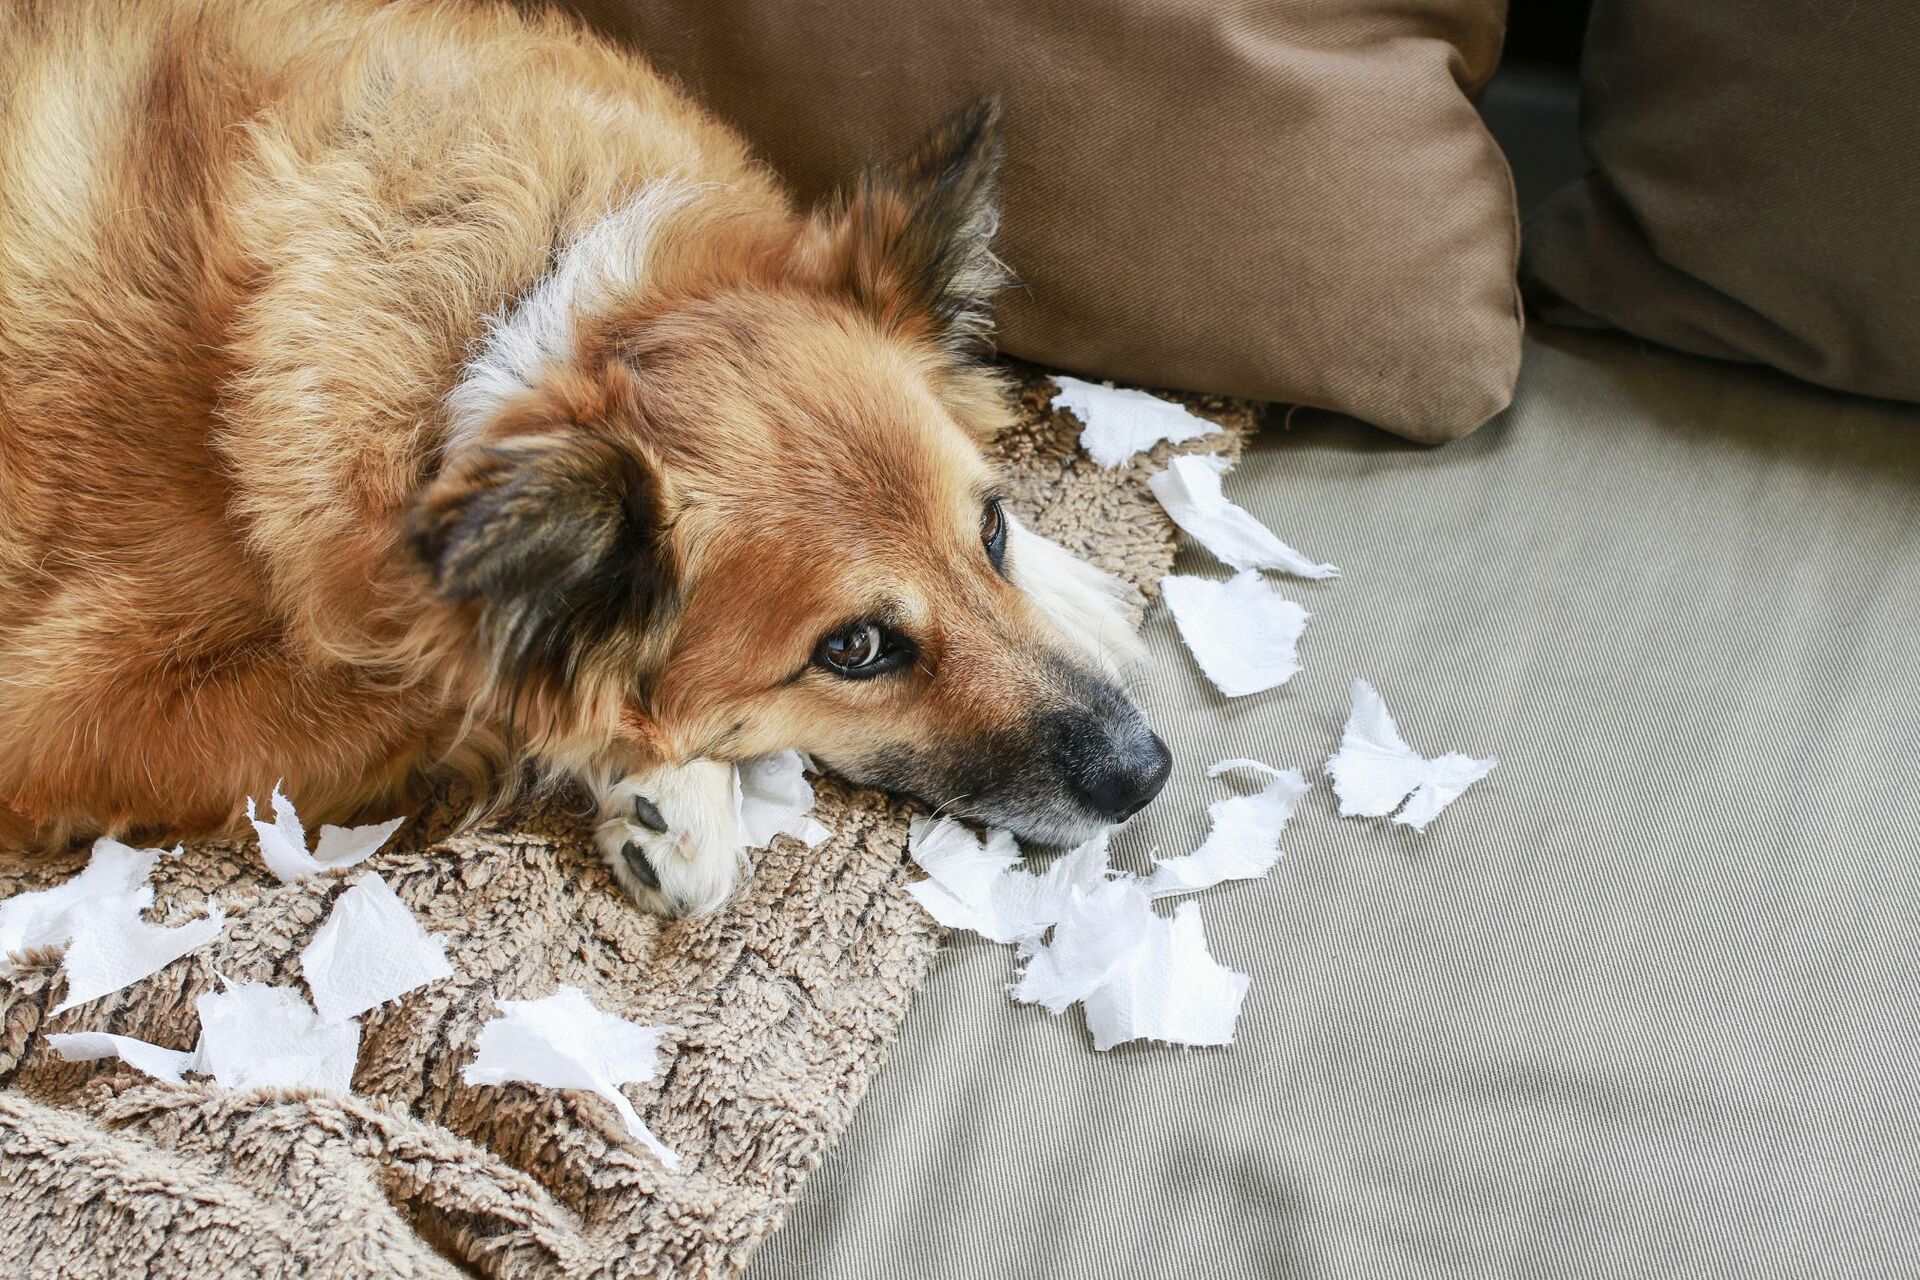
(735, 501)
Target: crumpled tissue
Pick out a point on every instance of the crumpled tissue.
(562, 1042)
(112, 947)
(369, 951)
(254, 1035)
(1118, 422)
(1244, 840)
(1189, 489)
(1374, 769)
(283, 842)
(1169, 988)
(46, 918)
(157, 1061)
(1242, 632)
(1141, 976)
(772, 797)
(980, 886)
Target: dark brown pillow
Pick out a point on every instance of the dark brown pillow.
(1756, 190)
(1288, 200)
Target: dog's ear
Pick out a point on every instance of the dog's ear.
(558, 533)
(913, 239)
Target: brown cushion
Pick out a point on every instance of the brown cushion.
(1288, 200)
(1756, 194)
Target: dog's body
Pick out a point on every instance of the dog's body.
(393, 390)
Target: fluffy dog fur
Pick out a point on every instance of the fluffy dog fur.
(394, 390)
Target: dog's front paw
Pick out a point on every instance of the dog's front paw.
(672, 837)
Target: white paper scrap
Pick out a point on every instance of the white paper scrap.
(1189, 489)
(283, 842)
(980, 886)
(1168, 988)
(562, 1042)
(1374, 769)
(112, 947)
(1244, 841)
(45, 918)
(1118, 422)
(86, 1046)
(773, 798)
(961, 873)
(1097, 931)
(1242, 632)
(369, 951)
(253, 1035)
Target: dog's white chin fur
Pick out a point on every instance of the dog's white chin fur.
(1088, 605)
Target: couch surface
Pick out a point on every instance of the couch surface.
(1640, 1004)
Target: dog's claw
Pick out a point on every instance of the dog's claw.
(647, 814)
(637, 860)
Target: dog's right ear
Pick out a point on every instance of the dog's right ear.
(557, 532)
(913, 239)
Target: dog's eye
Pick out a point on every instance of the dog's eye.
(993, 533)
(862, 650)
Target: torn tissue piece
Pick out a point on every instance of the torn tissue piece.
(1097, 931)
(1242, 632)
(1118, 422)
(1375, 769)
(981, 887)
(46, 918)
(1189, 489)
(253, 1035)
(87, 1046)
(112, 947)
(961, 873)
(1244, 841)
(773, 798)
(283, 842)
(370, 950)
(1168, 988)
(562, 1042)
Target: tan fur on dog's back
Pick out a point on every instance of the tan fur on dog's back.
(259, 287)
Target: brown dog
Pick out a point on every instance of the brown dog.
(393, 390)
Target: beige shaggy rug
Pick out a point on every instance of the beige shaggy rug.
(783, 1008)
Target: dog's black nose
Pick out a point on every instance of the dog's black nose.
(1121, 782)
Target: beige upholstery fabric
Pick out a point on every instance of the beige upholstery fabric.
(782, 1007)
(1642, 1004)
(1286, 199)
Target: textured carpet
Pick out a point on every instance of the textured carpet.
(783, 1007)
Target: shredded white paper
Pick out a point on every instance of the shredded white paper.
(1242, 632)
(980, 886)
(562, 1042)
(46, 918)
(86, 1046)
(1374, 769)
(1189, 489)
(1118, 422)
(253, 1035)
(1244, 841)
(369, 951)
(1096, 932)
(112, 947)
(773, 798)
(961, 874)
(283, 842)
(1169, 988)
(1140, 975)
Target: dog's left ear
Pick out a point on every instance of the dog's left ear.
(913, 239)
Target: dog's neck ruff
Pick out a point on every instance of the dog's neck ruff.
(598, 267)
